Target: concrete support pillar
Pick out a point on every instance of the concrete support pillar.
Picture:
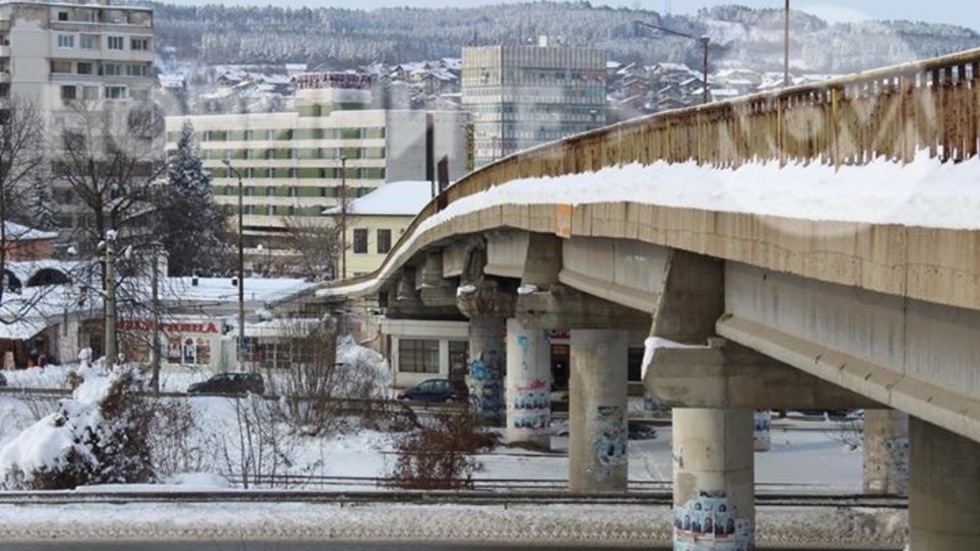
(886, 452)
(528, 393)
(485, 376)
(714, 479)
(944, 490)
(597, 441)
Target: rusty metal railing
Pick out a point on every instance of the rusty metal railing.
(893, 113)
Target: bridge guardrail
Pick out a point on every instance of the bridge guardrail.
(894, 112)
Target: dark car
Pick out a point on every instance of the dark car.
(434, 390)
(229, 383)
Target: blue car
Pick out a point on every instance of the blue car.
(433, 391)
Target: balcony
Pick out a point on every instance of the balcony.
(4, 76)
(4, 51)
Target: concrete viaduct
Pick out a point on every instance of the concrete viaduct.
(743, 312)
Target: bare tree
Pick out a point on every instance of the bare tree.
(316, 243)
(21, 167)
(110, 158)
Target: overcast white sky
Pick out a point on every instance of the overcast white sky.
(960, 12)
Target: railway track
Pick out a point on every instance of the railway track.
(496, 492)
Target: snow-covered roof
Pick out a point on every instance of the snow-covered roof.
(221, 288)
(454, 63)
(172, 81)
(404, 198)
(666, 66)
(725, 92)
(17, 232)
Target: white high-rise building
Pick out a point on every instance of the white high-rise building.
(79, 61)
(54, 53)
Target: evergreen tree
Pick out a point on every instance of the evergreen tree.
(43, 210)
(190, 225)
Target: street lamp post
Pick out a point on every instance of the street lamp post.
(703, 40)
(786, 46)
(241, 270)
(343, 217)
(110, 300)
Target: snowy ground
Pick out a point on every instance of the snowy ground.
(806, 455)
(806, 452)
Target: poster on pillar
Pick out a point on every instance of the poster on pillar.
(710, 523)
(486, 389)
(532, 405)
(611, 436)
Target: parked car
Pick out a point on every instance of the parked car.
(229, 383)
(435, 391)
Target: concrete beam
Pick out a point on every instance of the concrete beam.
(727, 375)
(434, 290)
(543, 262)
(405, 302)
(506, 253)
(945, 408)
(571, 309)
(692, 300)
(628, 273)
(479, 296)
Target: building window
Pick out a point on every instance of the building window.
(418, 356)
(136, 70)
(112, 69)
(84, 68)
(89, 41)
(66, 41)
(384, 241)
(68, 93)
(140, 44)
(360, 241)
(115, 92)
(90, 93)
(62, 16)
(115, 42)
(60, 66)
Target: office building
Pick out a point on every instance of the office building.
(522, 96)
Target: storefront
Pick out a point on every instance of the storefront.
(195, 341)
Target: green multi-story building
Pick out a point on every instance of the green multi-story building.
(300, 162)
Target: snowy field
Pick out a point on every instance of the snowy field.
(806, 452)
(806, 455)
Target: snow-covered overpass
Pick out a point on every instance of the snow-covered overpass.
(829, 233)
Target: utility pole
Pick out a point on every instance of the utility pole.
(241, 270)
(343, 217)
(703, 40)
(155, 289)
(110, 300)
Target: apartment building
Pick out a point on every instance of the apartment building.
(77, 61)
(302, 162)
(521, 96)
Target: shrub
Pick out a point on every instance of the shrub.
(97, 437)
(439, 455)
